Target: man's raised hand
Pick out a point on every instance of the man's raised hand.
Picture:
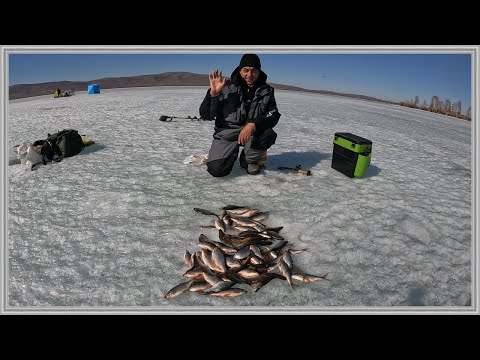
(217, 82)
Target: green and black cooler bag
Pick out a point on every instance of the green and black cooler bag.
(351, 154)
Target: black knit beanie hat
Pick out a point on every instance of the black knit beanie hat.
(250, 60)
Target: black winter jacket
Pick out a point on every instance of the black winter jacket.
(230, 108)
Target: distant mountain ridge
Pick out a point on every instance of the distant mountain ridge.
(164, 79)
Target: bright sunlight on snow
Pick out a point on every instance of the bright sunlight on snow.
(108, 228)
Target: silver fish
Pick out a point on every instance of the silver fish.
(220, 286)
(251, 232)
(276, 229)
(285, 271)
(259, 216)
(229, 293)
(205, 212)
(273, 264)
(249, 213)
(227, 220)
(255, 260)
(225, 248)
(277, 245)
(179, 289)
(200, 286)
(248, 274)
(270, 255)
(223, 213)
(273, 234)
(225, 238)
(308, 278)
(238, 211)
(203, 237)
(288, 259)
(242, 253)
(232, 263)
(232, 207)
(207, 260)
(298, 274)
(251, 240)
(211, 279)
(256, 251)
(199, 264)
(228, 276)
(188, 260)
(220, 225)
(219, 259)
(207, 245)
(195, 273)
(249, 222)
(255, 241)
(264, 279)
(243, 228)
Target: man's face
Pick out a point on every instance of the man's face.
(249, 74)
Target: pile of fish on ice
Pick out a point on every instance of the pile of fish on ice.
(255, 255)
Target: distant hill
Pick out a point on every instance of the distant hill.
(165, 79)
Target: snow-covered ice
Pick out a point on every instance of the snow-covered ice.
(107, 229)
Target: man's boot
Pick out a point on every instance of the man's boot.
(253, 169)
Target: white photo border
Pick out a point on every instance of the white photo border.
(6, 50)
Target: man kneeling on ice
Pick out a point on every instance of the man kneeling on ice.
(245, 111)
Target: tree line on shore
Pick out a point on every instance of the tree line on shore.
(445, 107)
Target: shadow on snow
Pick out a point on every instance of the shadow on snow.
(306, 160)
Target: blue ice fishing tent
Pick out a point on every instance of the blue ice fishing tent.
(94, 89)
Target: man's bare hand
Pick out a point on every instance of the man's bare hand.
(246, 132)
(217, 82)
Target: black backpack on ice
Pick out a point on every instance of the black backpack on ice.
(65, 143)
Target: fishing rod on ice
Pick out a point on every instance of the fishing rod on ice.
(296, 170)
(167, 118)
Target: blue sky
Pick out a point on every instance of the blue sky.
(396, 77)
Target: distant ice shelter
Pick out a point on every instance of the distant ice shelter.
(94, 89)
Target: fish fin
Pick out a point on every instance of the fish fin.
(324, 277)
